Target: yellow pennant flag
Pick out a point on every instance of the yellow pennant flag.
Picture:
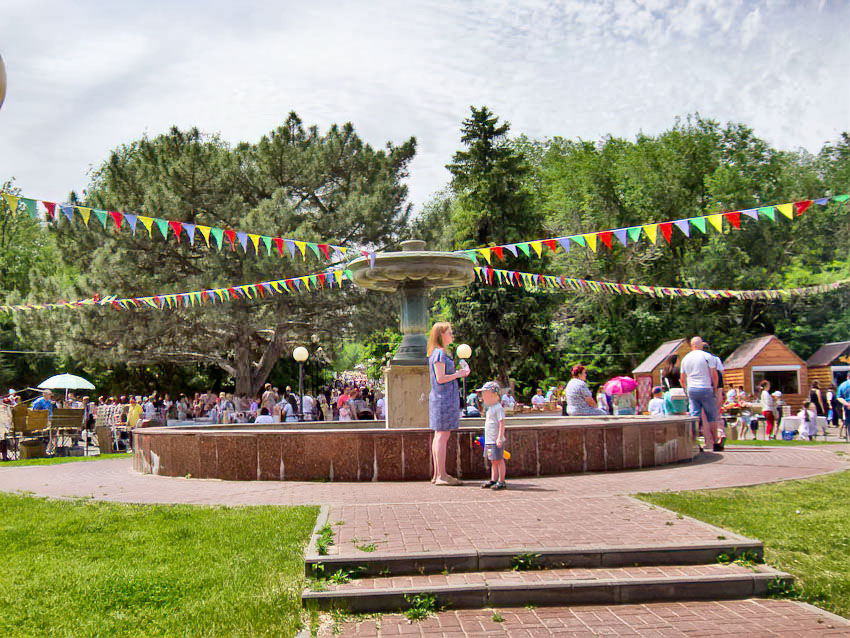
(276, 286)
(651, 231)
(302, 246)
(147, 222)
(338, 277)
(590, 238)
(255, 239)
(716, 221)
(486, 253)
(787, 210)
(538, 247)
(86, 213)
(306, 282)
(11, 201)
(205, 231)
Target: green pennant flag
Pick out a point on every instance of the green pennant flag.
(218, 235)
(840, 198)
(30, 206)
(634, 233)
(581, 241)
(472, 255)
(314, 280)
(525, 247)
(699, 222)
(348, 275)
(162, 224)
(768, 211)
(268, 242)
(101, 216)
(315, 249)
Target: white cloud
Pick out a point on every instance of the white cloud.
(87, 76)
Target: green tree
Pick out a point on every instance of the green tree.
(294, 182)
(508, 328)
(22, 249)
(695, 168)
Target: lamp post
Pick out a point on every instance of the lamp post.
(464, 352)
(300, 354)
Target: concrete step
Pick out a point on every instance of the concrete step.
(389, 564)
(560, 586)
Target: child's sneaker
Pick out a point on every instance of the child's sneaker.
(488, 484)
(501, 485)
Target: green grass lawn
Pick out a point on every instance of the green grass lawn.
(86, 568)
(55, 460)
(805, 527)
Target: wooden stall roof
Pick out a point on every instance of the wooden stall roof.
(749, 350)
(658, 357)
(828, 353)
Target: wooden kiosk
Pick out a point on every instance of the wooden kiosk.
(830, 364)
(768, 358)
(648, 373)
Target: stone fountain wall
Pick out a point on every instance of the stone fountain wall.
(567, 446)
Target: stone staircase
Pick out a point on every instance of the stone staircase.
(384, 582)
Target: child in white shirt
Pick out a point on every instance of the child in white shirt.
(494, 435)
(656, 403)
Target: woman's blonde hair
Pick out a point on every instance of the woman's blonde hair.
(435, 339)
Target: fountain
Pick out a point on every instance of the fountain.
(411, 273)
(400, 448)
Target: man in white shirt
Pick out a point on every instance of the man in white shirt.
(307, 407)
(699, 379)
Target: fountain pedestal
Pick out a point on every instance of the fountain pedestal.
(412, 272)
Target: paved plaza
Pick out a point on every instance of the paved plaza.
(590, 511)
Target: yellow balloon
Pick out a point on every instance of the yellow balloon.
(2, 81)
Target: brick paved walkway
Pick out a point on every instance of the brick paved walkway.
(588, 510)
(742, 618)
(115, 480)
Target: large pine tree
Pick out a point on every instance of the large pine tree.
(507, 327)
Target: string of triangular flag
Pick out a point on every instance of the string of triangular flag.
(632, 234)
(212, 235)
(332, 278)
(554, 283)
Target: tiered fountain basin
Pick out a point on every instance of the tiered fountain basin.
(367, 451)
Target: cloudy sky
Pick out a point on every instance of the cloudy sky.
(87, 75)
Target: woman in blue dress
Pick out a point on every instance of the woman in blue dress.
(444, 400)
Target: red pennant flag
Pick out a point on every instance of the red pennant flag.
(117, 218)
(51, 208)
(279, 243)
(666, 229)
(605, 237)
(734, 218)
(326, 250)
(553, 244)
(231, 237)
(499, 252)
(801, 206)
(233, 293)
(322, 279)
(177, 228)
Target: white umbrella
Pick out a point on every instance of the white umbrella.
(65, 382)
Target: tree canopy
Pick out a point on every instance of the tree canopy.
(294, 182)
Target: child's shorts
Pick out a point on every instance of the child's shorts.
(493, 452)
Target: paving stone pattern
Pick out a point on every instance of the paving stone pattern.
(741, 618)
